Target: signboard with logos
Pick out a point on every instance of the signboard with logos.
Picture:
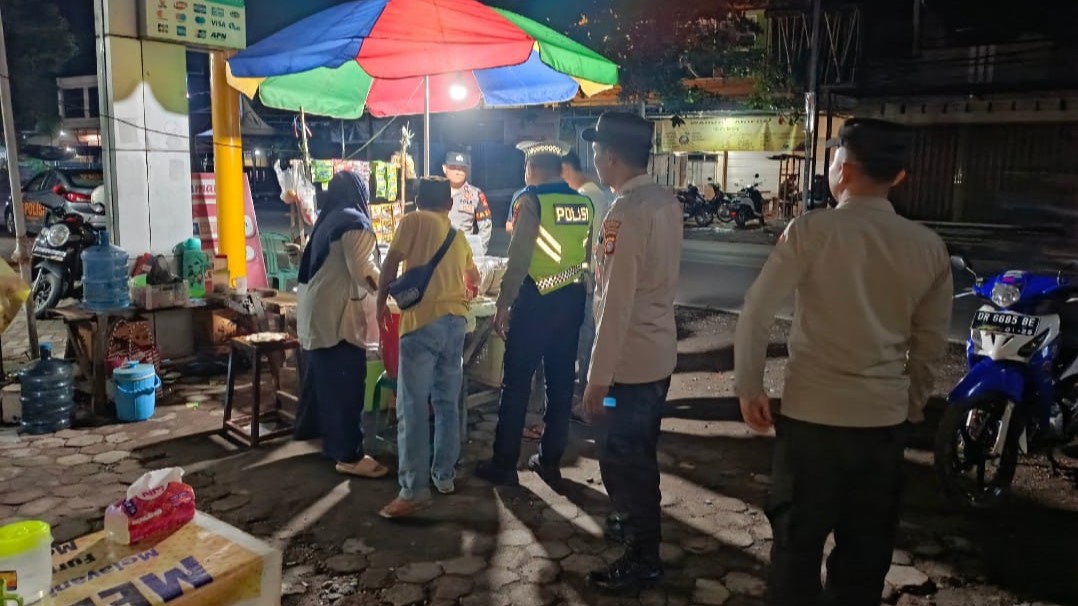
(216, 24)
(730, 133)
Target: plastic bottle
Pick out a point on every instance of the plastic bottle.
(610, 403)
(105, 276)
(48, 395)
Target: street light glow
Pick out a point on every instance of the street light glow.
(258, 152)
(458, 92)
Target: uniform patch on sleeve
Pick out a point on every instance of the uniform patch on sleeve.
(610, 236)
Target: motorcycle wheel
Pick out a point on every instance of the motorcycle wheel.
(724, 215)
(741, 218)
(703, 217)
(970, 476)
(9, 222)
(46, 294)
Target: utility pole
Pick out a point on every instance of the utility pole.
(22, 245)
(811, 110)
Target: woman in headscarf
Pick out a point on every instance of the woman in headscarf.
(336, 273)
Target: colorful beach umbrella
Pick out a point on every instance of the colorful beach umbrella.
(383, 55)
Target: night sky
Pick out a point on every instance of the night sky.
(264, 17)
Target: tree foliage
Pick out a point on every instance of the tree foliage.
(39, 43)
(661, 44)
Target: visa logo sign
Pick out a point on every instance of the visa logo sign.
(218, 23)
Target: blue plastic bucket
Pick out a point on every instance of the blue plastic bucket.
(136, 391)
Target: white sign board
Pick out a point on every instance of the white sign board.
(215, 24)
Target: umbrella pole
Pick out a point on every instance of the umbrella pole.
(426, 126)
(296, 216)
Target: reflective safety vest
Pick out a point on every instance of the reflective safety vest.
(565, 222)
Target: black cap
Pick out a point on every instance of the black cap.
(874, 141)
(621, 128)
(458, 159)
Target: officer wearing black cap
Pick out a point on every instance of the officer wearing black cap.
(638, 255)
(873, 308)
(471, 213)
(540, 310)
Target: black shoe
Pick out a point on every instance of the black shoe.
(551, 474)
(629, 574)
(617, 529)
(497, 476)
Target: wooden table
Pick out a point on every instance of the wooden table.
(88, 335)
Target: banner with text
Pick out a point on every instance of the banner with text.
(730, 133)
(204, 211)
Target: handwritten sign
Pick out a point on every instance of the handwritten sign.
(205, 562)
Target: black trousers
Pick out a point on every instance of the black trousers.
(331, 403)
(628, 460)
(542, 328)
(833, 479)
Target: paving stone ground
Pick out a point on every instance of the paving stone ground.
(529, 545)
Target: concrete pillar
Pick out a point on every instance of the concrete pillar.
(145, 133)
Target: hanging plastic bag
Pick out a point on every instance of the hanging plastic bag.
(296, 188)
(13, 293)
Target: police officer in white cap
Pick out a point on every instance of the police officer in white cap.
(471, 213)
(540, 310)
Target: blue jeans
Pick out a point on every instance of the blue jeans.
(431, 370)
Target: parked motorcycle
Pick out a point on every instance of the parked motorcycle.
(1021, 391)
(745, 206)
(695, 206)
(57, 260)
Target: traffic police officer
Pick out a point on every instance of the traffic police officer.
(638, 255)
(471, 213)
(872, 313)
(540, 310)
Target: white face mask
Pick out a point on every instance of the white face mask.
(834, 172)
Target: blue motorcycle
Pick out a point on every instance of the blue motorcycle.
(1021, 391)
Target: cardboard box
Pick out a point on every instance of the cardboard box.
(216, 327)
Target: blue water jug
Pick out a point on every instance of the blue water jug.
(104, 276)
(48, 395)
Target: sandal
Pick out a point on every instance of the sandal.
(403, 508)
(364, 468)
(534, 433)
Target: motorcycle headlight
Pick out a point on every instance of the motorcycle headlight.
(98, 208)
(1005, 295)
(58, 235)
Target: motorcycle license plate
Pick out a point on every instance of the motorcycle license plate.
(1006, 323)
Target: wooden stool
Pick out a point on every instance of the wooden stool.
(234, 427)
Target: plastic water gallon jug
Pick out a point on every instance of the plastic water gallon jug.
(48, 395)
(105, 276)
(136, 388)
(26, 559)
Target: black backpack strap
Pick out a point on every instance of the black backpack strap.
(444, 249)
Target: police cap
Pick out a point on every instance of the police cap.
(621, 129)
(533, 149)
(462, 159)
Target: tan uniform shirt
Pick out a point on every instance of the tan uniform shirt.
(871, 316)
(638, 257)
(330, 307)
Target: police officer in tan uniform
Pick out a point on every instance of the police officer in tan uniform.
(873, 308)
(638, 254)
(471, 213)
